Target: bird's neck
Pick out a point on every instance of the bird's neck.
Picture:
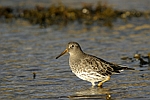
(75, 57)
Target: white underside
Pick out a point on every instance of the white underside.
(91, 77)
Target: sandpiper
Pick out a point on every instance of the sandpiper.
(88, 67)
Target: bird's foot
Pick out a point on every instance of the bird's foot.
(100, 85)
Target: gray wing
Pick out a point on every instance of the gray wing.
(99, 65)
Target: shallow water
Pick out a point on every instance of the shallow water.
(27, 49)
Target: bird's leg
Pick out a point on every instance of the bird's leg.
(101, 83)
(93, 84)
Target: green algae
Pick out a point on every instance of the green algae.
(101, 14)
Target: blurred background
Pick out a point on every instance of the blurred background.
(34, 32)
(117, 4)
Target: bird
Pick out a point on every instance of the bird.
(88, 67)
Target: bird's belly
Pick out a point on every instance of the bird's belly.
(91, 77)
(85, 73)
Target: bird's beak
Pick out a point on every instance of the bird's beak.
(65, 51)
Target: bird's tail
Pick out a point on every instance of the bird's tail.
(125, 68)
(120, 68)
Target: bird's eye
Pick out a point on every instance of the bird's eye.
(72, 45)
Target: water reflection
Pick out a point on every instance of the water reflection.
(92, 93)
